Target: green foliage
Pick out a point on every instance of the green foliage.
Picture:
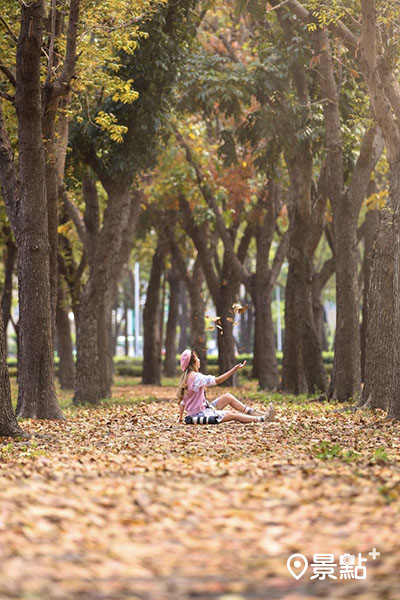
(380, 455)
(327, 450)
(163, 43)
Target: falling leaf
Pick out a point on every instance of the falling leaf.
(238, 308)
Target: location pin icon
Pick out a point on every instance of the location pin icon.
(297, 565)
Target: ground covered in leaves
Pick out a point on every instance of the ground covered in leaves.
(124, 502)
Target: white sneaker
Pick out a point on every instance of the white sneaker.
(271, 414)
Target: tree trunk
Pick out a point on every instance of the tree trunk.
(105, 343)
(151, 321)
(170, 364)
(183, 319)
(36, 394)
(225, 338)
(197, 312)
(88, 384)
(300, 299)
(371, 225)
(265, 366)
(394, 396)
(6, 299)
(246, 326)
(66, 367)
(87, 380)
(381, 313)
(293, 377)
(52, 186)
(8, 422)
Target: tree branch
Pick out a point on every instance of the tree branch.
(61, 85)
(9, 74)
(240, 270)
(200, 241)
(9, 30)
(379, 100)
(279, 258)
(74, 214)
(370, 151)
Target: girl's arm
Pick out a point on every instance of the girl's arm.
(181, 409)
(225, 376)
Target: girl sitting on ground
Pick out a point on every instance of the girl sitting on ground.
(191, 396)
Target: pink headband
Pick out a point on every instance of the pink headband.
(185, 359)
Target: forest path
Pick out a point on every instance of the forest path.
(124, 502)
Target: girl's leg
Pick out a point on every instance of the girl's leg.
(240, 417)
(230, 399)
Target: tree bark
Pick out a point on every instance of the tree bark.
(88, 384)
(184, 319)
(197, 312)
(36, 394)
(371, 225)
(66, 367)
(105, 337)
(246, 327)
(319, 280)
(170, 363)
(382, 381)
(299, 278)
(151, 320)
(293, 376)
(381, 315)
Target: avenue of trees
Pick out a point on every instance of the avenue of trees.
(220, 142)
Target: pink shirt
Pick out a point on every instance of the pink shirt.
(194, 399)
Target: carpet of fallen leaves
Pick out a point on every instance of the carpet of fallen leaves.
(121, 501)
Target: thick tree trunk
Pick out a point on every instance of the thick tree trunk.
(88, 383)
(347, 363)
(170, 364)
(87, 380)
(225, 338)
(265, 366)
(293, 377)
(381, 341)
(151, 321)
(66, 367)
(36, 394)
(299, 299)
